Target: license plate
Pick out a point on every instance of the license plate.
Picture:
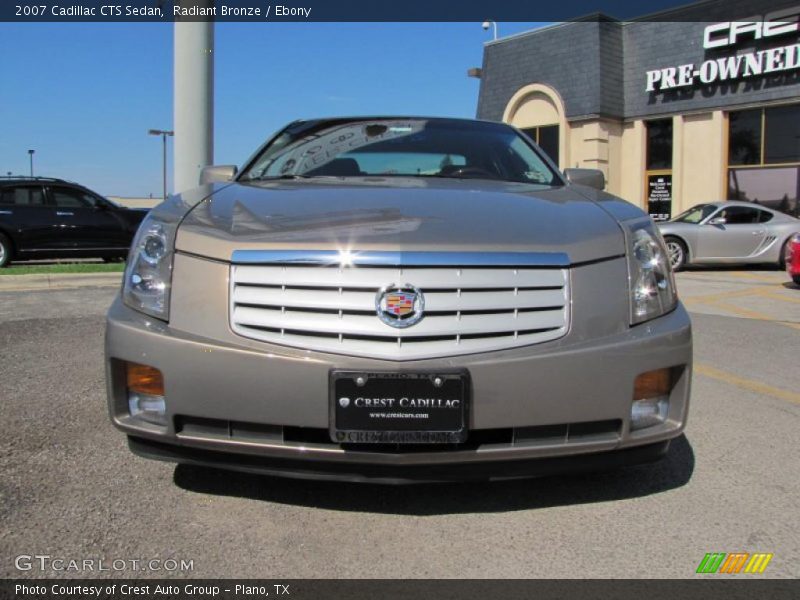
(398, 408)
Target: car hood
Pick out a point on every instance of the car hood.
(400, 214)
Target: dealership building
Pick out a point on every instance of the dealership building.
(695, 105)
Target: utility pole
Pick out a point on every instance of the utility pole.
(193, 99)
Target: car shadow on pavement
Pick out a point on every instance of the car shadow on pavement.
(673, 471)
(770, 268)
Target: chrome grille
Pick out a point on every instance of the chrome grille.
(473, 303)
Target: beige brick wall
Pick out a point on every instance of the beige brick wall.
(698, 159)
(619, 148)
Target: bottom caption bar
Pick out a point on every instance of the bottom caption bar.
(385, 589)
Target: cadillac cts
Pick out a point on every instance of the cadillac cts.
(399, 299)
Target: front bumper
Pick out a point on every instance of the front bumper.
(232, 404)
(493, 470)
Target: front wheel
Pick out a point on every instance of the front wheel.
(5, 250)
(676, 250)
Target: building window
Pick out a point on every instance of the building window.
(658, 169)
(744, 137)
(764, 157)
(782, 135)
(774, 187)
(659, 144)
(546, 136)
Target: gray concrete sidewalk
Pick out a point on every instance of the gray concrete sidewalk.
(58, 281)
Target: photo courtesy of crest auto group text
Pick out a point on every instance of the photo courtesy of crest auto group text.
(316, 299)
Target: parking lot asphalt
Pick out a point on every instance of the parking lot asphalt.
(70, 489)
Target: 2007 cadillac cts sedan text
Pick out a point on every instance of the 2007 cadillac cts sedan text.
(399, 299)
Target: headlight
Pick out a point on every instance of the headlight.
(650, 279)
(148, 275)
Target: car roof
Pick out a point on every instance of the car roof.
(346, 118)
(322, 122)
(6, 179)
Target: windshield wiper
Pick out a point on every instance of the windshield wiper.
(278, 177)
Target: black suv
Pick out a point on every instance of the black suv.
(51, 218)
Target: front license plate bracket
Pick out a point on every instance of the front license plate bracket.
(397, 407)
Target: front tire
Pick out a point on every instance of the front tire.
(676, 250)
(5, 250)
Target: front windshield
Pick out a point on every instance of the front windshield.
(403, 148)
(696, 214)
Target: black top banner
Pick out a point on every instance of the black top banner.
(378, 11)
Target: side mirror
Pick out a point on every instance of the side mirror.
(593, 178)
(217, 173)
(718, 221)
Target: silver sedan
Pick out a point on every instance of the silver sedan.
(728, 233)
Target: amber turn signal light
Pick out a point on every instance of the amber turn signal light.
(142, 379)
(653, 384)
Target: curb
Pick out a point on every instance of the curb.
(58, 281)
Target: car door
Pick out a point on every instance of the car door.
(112, 224)
(738, 237)
(85, 222)
(26, 218)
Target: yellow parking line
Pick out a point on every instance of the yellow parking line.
(750, 314)
(770, 278)
(777, 296)
(747, 384)
(738, 310)
(720, 295)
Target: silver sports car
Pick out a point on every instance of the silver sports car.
(728, 233)
(399, 299)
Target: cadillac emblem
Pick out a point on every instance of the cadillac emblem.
(400, 305)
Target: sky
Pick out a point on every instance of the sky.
(83, 95)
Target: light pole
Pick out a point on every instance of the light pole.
(193, 99)
(31, 153)
(163, 135)
(489, 23)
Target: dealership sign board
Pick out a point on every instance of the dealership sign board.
(739, 66)
(659, 196)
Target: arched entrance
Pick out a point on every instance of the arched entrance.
(538, 110)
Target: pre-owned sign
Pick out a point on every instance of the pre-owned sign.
(749, 64)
